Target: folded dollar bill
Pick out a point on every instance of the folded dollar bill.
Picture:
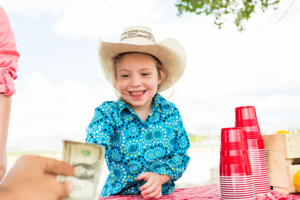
(87, 160)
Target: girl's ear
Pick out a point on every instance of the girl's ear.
(163, 74)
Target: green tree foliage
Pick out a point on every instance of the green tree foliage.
(241, 9)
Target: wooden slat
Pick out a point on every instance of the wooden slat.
(273, 142)
(276, 160)
(289, 161)
(292, 145)
(292, 161)
(278, 178)
(283, 151)
(291, 170)
(279, 189)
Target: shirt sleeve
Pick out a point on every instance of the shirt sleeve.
(100, 130)
(176, 164)
(9, 56)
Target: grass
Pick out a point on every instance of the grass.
(200, 138)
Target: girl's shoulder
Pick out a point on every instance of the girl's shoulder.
(107, 106)
(164, 104)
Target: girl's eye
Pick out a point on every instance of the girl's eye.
(145, 74)
(125, 76)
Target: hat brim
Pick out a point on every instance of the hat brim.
(169, 52)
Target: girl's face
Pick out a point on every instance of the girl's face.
(137, 78)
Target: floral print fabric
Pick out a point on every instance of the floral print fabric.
(133, 147)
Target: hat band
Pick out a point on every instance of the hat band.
(134, 33)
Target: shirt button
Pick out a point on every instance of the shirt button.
(6, 71)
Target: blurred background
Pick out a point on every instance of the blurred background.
(60, 82)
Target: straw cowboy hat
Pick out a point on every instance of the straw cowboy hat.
(141, 40)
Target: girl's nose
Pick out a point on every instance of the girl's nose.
(136, 81)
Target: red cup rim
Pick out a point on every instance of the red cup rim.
(262, 187)
(246, 176)
(237, 196)
(233, 196)
(231, 128)
(242, 193)
(238, 190)
(240, 107)
(238, 182)
(237, 185)
(258, 161)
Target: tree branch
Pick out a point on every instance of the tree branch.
(284, 13)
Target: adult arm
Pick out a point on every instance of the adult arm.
(34, 178)
(5, 107)
(8, 67)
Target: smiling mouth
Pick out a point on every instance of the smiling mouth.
(137, 93)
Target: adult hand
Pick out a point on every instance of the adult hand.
(34, 178)
(152, 189)
(3, 164)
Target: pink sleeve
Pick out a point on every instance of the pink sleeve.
(9, 56)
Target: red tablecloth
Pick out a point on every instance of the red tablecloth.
(204, 192)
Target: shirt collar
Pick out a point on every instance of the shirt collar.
(158, 100)
(121, 106)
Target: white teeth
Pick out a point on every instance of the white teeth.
(137, 93)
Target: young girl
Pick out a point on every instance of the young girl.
(145, 140)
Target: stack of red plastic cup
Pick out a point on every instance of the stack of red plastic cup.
(246, 119)
(236, 181)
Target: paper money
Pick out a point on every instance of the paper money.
(87, 160)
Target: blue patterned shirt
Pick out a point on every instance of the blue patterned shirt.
(133, 146)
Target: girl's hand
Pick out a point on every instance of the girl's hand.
(152, 189)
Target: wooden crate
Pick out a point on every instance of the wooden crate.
(283, 151)
(214, 175)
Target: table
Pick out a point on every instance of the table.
(203, 192)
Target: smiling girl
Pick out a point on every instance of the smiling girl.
(145, 140)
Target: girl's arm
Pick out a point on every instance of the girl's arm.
(173, 167)
(176, 164)
(100, 130)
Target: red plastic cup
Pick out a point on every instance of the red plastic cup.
(232, 135)
(228, 160)
(235, 170)
(251, 132)
(245, 113)
(254, 144)
(246, 122)
(233, 145)
(253, 135)
(243, 152)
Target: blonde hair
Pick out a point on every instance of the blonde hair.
(118, 58)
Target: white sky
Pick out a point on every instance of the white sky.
(60, 82)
